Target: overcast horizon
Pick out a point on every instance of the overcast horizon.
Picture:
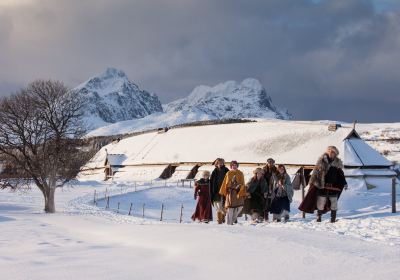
(322, 60)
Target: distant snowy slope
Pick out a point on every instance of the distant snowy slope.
(112, 97)
(247, 99)
(152, 121)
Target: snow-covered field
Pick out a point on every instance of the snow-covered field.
(384, 137)
(85, 241)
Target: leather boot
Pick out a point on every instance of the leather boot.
(286, 219)
(319, 216)
(333, 216)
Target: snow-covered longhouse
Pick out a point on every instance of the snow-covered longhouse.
(182, 153)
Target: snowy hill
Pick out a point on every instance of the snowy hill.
(228, 100)
(80, 241)
(247, 99)
(112, 97)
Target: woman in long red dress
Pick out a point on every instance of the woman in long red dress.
(202, 193)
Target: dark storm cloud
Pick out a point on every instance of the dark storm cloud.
(308, 54)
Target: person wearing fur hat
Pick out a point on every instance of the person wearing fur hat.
(233, 190)
(282, 195)
(254, 203)
(269, 172)
(326, 184)
(203, 212)
(217, 177)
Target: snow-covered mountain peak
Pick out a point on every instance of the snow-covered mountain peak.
(113, 72)
(112, 97)
(111, 80)
(226, 89)
(252, 83)
(247, 99)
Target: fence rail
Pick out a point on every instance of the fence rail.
(138, 209)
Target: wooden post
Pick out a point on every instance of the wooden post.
(143, 210)
(181, 217)
(108, 202)
(354, 124)
(118, 208)
(394, 195)
(94, 197)
(130, 209)
(162, 211)
(303, 182)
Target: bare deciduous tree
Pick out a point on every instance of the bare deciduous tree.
(41, 137)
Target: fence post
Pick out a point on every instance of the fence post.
(118, 208)
(130, 209)
(108, 202)
(94, 197)
(303, 181)
(394, 195)
(143, 210)
(162, 211)
(135, 186)
(180, 219)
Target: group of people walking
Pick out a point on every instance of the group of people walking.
(269, 191)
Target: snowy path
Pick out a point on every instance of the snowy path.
(85, 242)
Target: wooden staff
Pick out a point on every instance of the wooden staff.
(162, 211)
(303, 182)
(394, 195)
(130, 209)
(181, 217)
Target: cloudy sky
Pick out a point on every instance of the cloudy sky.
(321, 59)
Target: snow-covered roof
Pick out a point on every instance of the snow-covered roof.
(358, 153)
(288, 142)
(139, 173)
(115, 159)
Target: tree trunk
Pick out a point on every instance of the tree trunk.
(49, 191)
(49, 205)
